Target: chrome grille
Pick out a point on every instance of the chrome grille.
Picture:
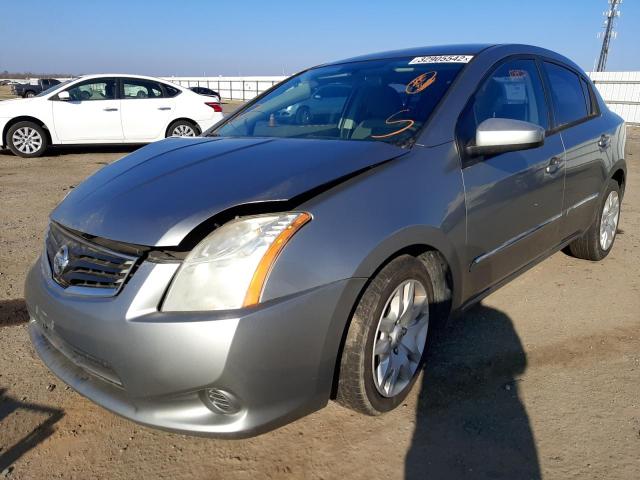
(88, 269)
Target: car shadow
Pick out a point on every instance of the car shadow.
(69, 149)
(470, 420)
(8, 405)
(58, 150)
(13, 312)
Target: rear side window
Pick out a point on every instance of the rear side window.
(570, 104)
(170, 91)
(141, 88)
(514, 91)
(587, 96)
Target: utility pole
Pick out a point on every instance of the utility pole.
(611, 14)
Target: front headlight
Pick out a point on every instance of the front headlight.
(229, 267)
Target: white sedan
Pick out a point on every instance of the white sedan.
(100, 109)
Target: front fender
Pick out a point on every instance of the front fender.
(415, 200)
(412, 236)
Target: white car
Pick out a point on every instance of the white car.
(100, 109)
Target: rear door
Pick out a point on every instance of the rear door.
(514, 199)
(92, 114)
(587, 140)
(145, 109)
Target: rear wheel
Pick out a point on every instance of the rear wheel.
(598, 240)
(29, 94)
(27, 139)
(385, 345)
(183, 128)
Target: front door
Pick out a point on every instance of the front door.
(514, 199)
(92, 113)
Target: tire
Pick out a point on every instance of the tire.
(29, 94)
(303, 116)
(359, 386)
(183, 126)
(27, 139)
(590, 246)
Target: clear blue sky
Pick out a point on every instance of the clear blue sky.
(267, 37)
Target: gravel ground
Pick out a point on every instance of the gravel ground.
(540, 380)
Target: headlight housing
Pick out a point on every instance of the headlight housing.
(228, 268)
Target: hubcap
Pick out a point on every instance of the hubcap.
(183, 131)
(27, 140)
(609, 220)
(400, 338)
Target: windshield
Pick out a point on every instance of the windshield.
(53, 88)
(379, 100)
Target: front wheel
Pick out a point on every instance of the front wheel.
(182, 128)
(303, 116)
(385, 344)
(27, 139)
(597, 241)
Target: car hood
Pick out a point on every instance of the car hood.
(158, 194)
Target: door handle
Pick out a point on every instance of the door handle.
(164, 108)
(554, 165)
(112, 109)
(605, 141)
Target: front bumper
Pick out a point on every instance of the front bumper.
(3, 124)
(278, 359)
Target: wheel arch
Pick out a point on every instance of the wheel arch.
(415, 240)
(25, 118)
(620, 176)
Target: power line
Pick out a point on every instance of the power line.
(609, 33)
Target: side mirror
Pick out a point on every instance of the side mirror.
(64, 96)
(500, 135)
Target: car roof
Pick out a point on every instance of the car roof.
(463, 49)
(122, 75)
(455, 49)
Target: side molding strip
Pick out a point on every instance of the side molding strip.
(513, 240)
(582, 202)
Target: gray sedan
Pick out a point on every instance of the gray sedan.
(227, 284)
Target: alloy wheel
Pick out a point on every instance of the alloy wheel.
(609, 220)
(400, 338)
(27, 140)
(183, 131)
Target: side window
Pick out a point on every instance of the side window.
(95, 89)
(587, 96)
(171, 91)
(140, 88)
(568, 95)
(514, 90)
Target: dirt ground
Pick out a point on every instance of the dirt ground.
(542, 380)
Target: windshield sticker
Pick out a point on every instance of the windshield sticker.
(420, 83)
(517, 73)
(442, 59)
(388, 121)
